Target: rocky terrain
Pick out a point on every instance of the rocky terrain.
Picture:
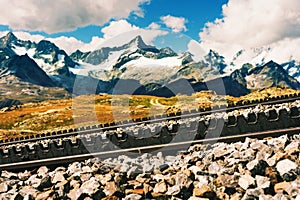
(252, 169)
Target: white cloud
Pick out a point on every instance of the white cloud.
(120, 32)
(195, 48)
(27, 36)
(69, 44)
(3, 33)
(249, 24)
(116, 33)
(154, 25)
(64, 15)
(116, 28)
(177, 24)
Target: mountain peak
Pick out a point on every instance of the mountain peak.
(139, 43)
(8, 38)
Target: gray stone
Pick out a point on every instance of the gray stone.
(250, 165)
(214, 168)
(90, 187)
(3, 187)
(74, 167)
(34, 181)
(160, 187)
(174, 190)
(262, 182)
(133, 197)
(27, 190)
(286, 165)
(293, 147)
(42, 171)
(110, 188)
(245, 181)
(250, 193)
(23, 176)
(9, 175)
(58, 177)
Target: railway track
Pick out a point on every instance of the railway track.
(153, 119)
(170, 133)
(176, 146)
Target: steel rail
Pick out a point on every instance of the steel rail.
(166, 147)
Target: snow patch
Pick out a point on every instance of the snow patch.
(22, 51)
(144, 62)
(84, 68)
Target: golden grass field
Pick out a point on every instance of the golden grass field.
(32, 118)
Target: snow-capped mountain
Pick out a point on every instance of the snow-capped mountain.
(47, 56)
(150, 69)
(261, 56)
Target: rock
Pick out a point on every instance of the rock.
(278, 143)
(214, 168)
(110, 188)
(23, 176)
(259, 168)
(250, 165)
(3, 187)
(9, 175)
(160, 187)
(245, 181)
(27, 190)
(163, 167)
(34, 181)
(124, 167)
(290, 176)
(253, 193)
(59, 176)
(282, 186)
(272, 160)
(174, 190)
(158, 177)
(262, 182)
(139, 191)
(219, 152)
(44, 195)
(286, 165)
(86, 169)
(147, 189)
(103, 179)
(294, 189)
(140, 178)
(45, 182)
(42, 171)
(90, 187)
(197, 198)
(133, 197)
(293, 147)
(272, 174)
(85, 176)
(75, 193)
(74, 184)
(74, 167)
(134, 183)
(204, 191)
(182, 179)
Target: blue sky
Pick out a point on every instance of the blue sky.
(196, 12)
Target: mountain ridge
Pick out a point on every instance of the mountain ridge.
(150, 69)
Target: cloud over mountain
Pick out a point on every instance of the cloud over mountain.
(64, 15)
(177, 24)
